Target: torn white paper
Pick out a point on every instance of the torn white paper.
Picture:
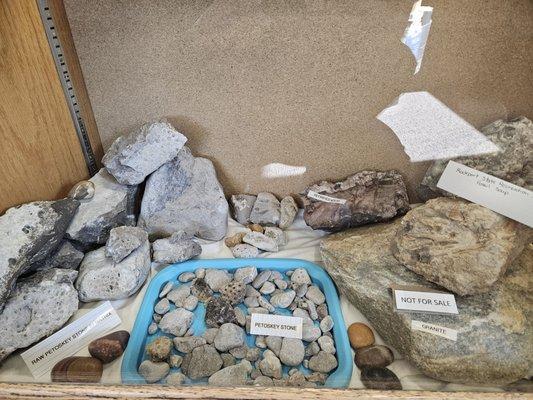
(429, 130)
(417, 32)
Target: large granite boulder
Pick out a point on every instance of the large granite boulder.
(28, 235)
(367, 197)
(495, 336)
(459, 245)
(513, 163)
(39, 306)
(100, 278)
(184, 195)
(111, 206)
(133, 157)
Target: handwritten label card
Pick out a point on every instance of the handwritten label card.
(488, 191)
(326, 199)
(424, 301)
(42, 357)
(276, 325)
(441, 331)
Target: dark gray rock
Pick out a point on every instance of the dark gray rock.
(28, 235)
(177, 248)
(201, 289)
(37, 307)
(370, 196)
(377, 356)
(134, 156)
(495, 333)
(185, 195)
(513, 163)
(123, 240)
(266, 210)
(219, 311)
(380, 379)
(111, 206)
(65, 256)
(241, 205)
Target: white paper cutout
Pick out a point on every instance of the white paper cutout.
(417, 32)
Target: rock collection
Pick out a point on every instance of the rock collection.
(224, 352)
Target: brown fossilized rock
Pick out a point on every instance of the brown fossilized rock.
(368, 196)
(461, 246)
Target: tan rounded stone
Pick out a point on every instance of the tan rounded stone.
(256, 228)
(232, 241)
(360, 335)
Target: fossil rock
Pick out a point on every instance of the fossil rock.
(242, 205)
(266, 210)
(495, 332)
(513, 163)
(184, 195)
(370, 196)
(123, 240)
(134, 156)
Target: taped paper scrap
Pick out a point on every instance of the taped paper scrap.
(417, 32)
(429, 130)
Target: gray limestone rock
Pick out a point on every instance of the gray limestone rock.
(277, 234)
(292, 352)
(242, 205)
(177, 248)
(186, 277)
(123, 240)
(315, 295)
(261, 278)
(310, 332)
(100, 278)
(261, 241)
(134, 156)
(283, 299)
(494, 329)
(153, 372)
(327, 344)
(65, 256)
(288, 211)
(369, 197)
(177, 322)
(112, 205)
(210, 334)
(270, 365)
(187, 344)
(229, 336)
(266, 210)
(323, 362)
(179, 295)
(38, 306)
(185, 195)
(245, 274)
(513, 163)
(274, 344)
(176, 379)
(234, 375)
(162, 306)
(244, 250)
(300, 277)
(28, 235)
(216, 279)
(202, 362)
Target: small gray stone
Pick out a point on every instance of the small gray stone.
(177, 248)
(186, 277)
(166, 289)
(299, 312)
(315, 295)
(233, 292)
(275, 275)
(266, 210)
(216, 279)
(261, 278)
(245, 274)
(244, 250)
(263, 381)
(176, 322)
(260, 341)
(292, 352)
(178, 295)
(123, 240)
(253, 354)
(258, 310)
(83, 190)
(202, 362)
(175, 360)
(190, 303)
(274, 344)
(317, 377)
(240, 316)
(301, 289)
(270, 365)
(310, 332)
(153, 371)
(239, 352)
(277, 234)
(200, 273)
(152, 328)
(327, 344)
(251, 302)
(326, 324)
(288, 211)
(156, 317)
(312, 349)
(300, 276)
(251, 292)
(283, 300)
(176, 379)
(227, 360)
(241, 206)
(311, 308)
(261, 241)
(210, 334)
(267, 288)
(187, 344)
(162, 306)
(228, 337)
(281, 284)
(265, 304)
(234, 375)
(322, 311)
(323, 362)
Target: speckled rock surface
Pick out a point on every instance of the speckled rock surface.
(184, 195)
(514, 162)
(266, 210)
(134, 156)
(370, 196)
(494, 329)
(241, 205)
(28, 235)
(123, 240)
(288, 211)
(177, 248)
(37, 307)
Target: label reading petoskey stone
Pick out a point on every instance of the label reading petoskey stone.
(276, 325)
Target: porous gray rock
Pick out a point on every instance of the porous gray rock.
(216, 279)
(202, 362)
(270, 365)
(368, 196)
(245, 274)
(323, 362)
(288, 211)
(38, 306)
(28, 235)
(201, 289)
(176, 379)
(123, 240)
(134, 156)
(315, 295)
(177, 248)
(274, 344)
(292, 352)
(244, 250)
(153, 371)
(266, 210)
(64, 256)
(179, 295)
(513, 163)
(186, 277)
(495, 333)
(228, 337)
(112, 205)
(185, 195)
(177, 322)
(234, 375)
(300, 277)
(242, 205)
(100, 278)
(459, 245)
(187, 344)
(261, 241)
(277, 234)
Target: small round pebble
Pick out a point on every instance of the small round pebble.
(267, 288)
(326, 324)
(166, 289)
(234, 240)
(200, 273)
(152, 328)
(190, 303)
(373, 356)
(176, 379)
(380, 379)
(162, 306)
(186, 277)
(153, 371)
(360, 335)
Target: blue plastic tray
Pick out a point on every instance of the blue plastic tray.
(135, 352)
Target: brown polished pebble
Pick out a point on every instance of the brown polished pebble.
(373, 356)
(77, 369)
(360, 335)
(380, 379)
(109, 347)
(232, 241)
(256, 228)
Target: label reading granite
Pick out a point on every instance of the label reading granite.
(505, 198)
(276, 325)
(424, 301)
(441, 331)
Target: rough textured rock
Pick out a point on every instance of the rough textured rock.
(459, 245)
(323, 362)
(229, 336)
(77, 369)
(111, 206)
(513, 163)
(134, 156)
(261, 241)
(234, 375)
(245, 274)
(370, 196)
(233, 292)
(176, 322)
(159, 349)
(201, 289)
(102, 279)
(28, 235)
(202, 362)
(65, 256)
(219, 311)
(232, 241)
(216, 279)
(38, 306)
(292, 352)
(175, 379)
(270, 365)
(187, 344)
(242, 205)
(494, 341)
(177, 248)
(277, 234)
(109, 347)
(123, 240)
(266, 210)
(288, 211)
(185, 195)
(153, 371)
(245, 251)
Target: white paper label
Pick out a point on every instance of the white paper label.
(276, 325)
(431, 302)
(496, 194)
(434, 329)
(324, 198)
(42, 357)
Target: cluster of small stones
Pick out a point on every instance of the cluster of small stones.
(221, 353)
(266, 218)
